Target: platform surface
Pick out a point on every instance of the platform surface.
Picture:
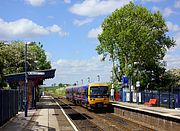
(173, 113)
(47, 117)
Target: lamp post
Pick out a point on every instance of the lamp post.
(112, 76)
(26, 80)
(137, 83)
(130, 95)
(98, 76)
(82, 81)
(130, 82)
(88, 79)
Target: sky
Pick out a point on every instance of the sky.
(68, 30)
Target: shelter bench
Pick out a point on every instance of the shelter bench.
(152, 102)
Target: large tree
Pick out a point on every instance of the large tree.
(12, 58)
(132, 34)
(2, 81)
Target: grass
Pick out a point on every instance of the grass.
(57, 91)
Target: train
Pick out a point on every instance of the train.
(92, 95)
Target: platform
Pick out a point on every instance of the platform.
(172, 113)
(47, 117)
(50, 117)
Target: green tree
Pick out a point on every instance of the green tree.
(2, 81)
(12, 58)
(134, 34)
(61, 85)
(37, 57)
(170, 79)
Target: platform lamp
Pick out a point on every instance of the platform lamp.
(130, 82)
(98, 76)
(82, 81)
(88, 79)
(26, 80)
(138, 82)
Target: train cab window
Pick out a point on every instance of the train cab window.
(99, 90)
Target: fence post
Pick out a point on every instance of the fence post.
(1, 107)
(169, 102)
(19, 98)
(159, 98)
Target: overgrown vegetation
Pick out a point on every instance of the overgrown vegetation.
(56, 91)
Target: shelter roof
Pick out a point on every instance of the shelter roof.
(32, 75)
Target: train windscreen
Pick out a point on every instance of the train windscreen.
(99, 91)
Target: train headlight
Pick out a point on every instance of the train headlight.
(92, 99)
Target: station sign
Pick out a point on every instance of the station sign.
(124, 80)
(137, 83)
(36, 73)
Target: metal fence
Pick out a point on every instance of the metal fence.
(8, 105)
(165, 99)
(169, 99)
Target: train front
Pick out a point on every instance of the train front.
(98, 95)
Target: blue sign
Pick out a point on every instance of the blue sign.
(124, 80)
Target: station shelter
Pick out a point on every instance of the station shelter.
(34, 79)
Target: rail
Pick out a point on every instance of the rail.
(80, 120)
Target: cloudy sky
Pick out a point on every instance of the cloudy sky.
(68, 31)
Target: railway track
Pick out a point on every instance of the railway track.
(81, 121)
(104, 120)
(123, 124)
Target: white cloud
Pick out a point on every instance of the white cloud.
(93, 8)
(167, 12)
(21, 28)
(177, 38)
(172, 27)
(54, 28)
(63, 34)
(35, 2)
(177, 3)
(49, 56)
(67, 1)
(82, 22)
(70, 71)
(93, 33)
(155, 9)
(173, 61)
(153, 1)
(25, 28)
(173, 55)
(50, 17)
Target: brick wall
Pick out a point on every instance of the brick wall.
(156, 122)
